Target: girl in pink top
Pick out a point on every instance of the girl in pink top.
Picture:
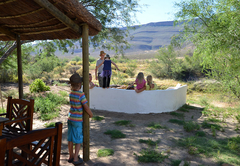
(140, 81)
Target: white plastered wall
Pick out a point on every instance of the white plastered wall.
(128, 101)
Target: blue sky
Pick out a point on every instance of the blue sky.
(156, 11)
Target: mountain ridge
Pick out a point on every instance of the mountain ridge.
(147, 39)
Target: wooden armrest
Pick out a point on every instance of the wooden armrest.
(16, 120)
(3, 114)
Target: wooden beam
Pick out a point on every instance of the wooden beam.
(7, 32)
(19, 59)
(59, 15)
(85, 57)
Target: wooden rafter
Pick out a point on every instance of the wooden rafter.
(21, 15)
(8, 32)
(29, 25)
(37, 28)
(59, 15)
(47, 31)
(9, 1)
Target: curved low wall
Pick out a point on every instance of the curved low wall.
(128, 101)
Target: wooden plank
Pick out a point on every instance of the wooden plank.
(57, 144)
(2, 150)
(31, 137)
(30, 114)
(19, 59)
(8, 32)
(59, 15)
(85, 57)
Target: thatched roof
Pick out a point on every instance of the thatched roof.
(45, 19)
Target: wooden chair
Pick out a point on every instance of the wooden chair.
(46, 151)
(20, 115)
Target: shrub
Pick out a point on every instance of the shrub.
(24, 79)
(205, 124)
(238, 118)
(91, 59)
(122, 122)
(131, 67)
(105, 152)
(38, 86)
(63, 93)
(200, 133)
(51, 124)
(58, 70)
(150, 142)
(97, 118)
(150, 155)
(178, 115)
(168, 65)
(13, 93)
(77, 59)
(179, 122)
(2, 110)
(154, 125)
(191, 126)
(79, 71)
(44, 64)
(73, 62)
(48, 106)
(47, 109)
(115, 134)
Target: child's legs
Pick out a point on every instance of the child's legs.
(104, 82)
(108, 81)
(70, 149)
(75, 135)
(77, 148)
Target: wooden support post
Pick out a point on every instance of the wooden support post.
(85, 57)
(19, 59)
(1, 96)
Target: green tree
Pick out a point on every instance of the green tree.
(8, 67)
(214, 28)
(166, 59)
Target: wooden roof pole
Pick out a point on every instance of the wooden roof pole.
(59, 15)
(19, 60)
(85, 57)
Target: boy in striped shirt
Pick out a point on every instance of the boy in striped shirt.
(78, 101)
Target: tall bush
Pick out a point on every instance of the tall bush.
(38, 86)
(168, 65)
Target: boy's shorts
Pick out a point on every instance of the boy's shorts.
(75, 134)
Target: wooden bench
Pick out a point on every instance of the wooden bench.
(47, 150)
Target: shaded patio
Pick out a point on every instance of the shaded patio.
(23, 20)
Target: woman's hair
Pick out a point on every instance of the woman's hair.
(140, 77)
(149, 79)
(75, 86)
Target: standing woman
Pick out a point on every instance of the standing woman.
(98, 70)
(107, 71)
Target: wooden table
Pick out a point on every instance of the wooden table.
(2, 120)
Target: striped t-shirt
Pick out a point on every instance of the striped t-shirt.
(77, 100)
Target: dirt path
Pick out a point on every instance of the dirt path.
(125, 148)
